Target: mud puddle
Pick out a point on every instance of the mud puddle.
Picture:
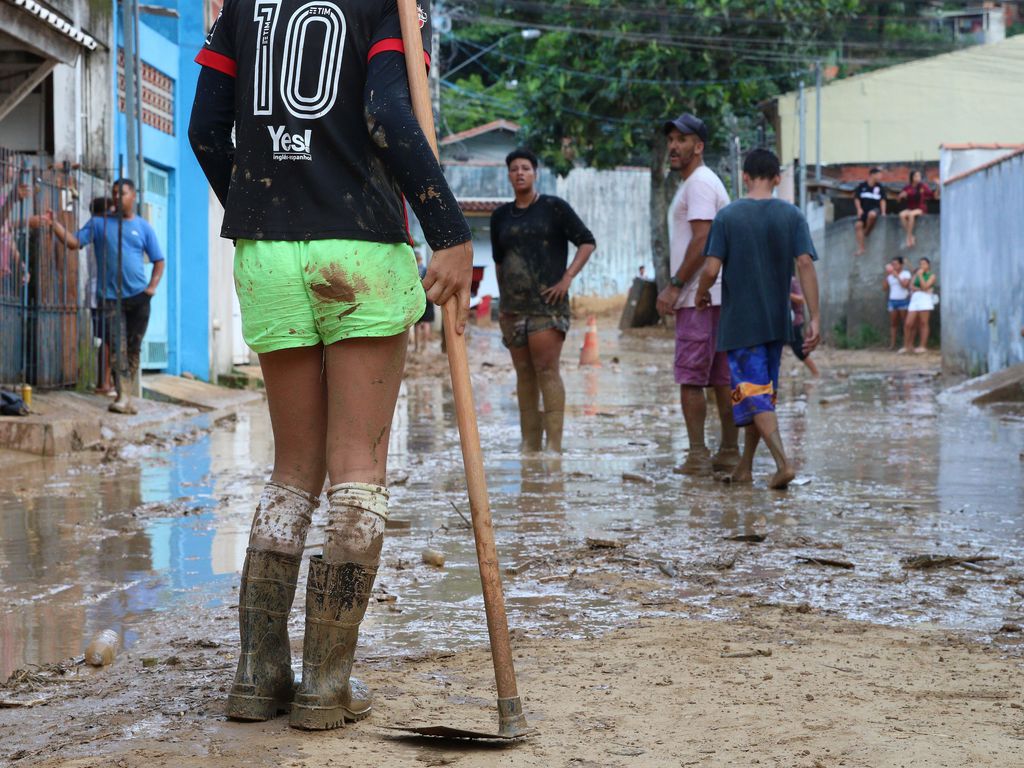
(99, 541)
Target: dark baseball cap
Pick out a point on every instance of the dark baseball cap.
(687, 123)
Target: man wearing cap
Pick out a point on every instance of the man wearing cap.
(697, 363)
(869, 200)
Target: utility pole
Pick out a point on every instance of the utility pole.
(140, 166)
(127, 36)
(803, 149)
(817, 120)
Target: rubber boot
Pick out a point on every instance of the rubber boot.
(125, 386)
(264, 684)
(336, 599)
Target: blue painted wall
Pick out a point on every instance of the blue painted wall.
(170, 46)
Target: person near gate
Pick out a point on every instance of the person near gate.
(130, 283)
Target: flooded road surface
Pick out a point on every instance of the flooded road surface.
(100, 540)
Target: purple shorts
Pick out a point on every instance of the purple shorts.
(698, 364)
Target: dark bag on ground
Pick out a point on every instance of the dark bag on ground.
(12, 405)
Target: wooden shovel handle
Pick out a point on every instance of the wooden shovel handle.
(465, 411)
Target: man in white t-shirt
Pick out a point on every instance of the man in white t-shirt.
(697, 363)
(897, 280)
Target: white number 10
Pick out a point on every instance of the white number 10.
(299, 104)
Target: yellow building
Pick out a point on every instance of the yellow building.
(903, 113)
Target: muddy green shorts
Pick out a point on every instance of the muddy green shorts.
(303, 293)
(517, 329)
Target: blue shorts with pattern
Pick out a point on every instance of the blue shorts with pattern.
(754, 374)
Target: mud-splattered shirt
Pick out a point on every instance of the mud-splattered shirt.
(531, 249)
(324, 139)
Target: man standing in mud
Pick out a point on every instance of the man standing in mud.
(754, 243)
(530, 241)
(130, 284)
(325, 143)
(697, 364)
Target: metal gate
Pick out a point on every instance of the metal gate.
(46, 333)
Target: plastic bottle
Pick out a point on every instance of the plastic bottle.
(103, 648)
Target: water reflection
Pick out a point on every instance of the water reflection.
(86, 545)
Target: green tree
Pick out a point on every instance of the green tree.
(597, 85)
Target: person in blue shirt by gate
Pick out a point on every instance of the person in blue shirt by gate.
(130, 283)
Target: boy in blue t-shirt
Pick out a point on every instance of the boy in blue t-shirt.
(754, 242)
(137, 238)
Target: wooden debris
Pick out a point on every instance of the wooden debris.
(636, 477)
(519, 568)
(24, 703)
(749, 538)
(396, 524)
(604, 543)
(826, 561)
(469, 525)
(924, 562)
(751, 654)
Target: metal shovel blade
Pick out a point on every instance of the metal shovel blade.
(511, 725)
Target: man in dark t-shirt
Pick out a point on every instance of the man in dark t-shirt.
(754, 243)
(869, 200)
(530, 241)
(325, 145)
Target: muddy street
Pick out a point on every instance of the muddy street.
(630, 590)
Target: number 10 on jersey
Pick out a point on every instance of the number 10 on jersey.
(297, 56)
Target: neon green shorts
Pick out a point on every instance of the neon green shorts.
(303, 293)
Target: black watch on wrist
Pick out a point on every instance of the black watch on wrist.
(676, 282)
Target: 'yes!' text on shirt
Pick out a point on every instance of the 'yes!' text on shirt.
(290, 146)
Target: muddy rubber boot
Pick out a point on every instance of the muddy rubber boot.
(125, 387)
(336, 598)
(264, 684)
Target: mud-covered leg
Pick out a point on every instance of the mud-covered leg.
(364, 377)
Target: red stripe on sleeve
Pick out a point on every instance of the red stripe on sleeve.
(217, 61)
(395, 45)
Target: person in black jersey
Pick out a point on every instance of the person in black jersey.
(869, 200)
(325, 144)
(530, 240)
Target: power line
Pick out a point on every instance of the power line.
(627, 78)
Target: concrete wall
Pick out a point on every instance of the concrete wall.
(983, 253)
(852, 295)
(615, 205)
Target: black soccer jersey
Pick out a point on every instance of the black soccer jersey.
(305, 166)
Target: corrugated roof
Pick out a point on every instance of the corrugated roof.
(494, 125)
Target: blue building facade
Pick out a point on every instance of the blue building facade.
(174, 192)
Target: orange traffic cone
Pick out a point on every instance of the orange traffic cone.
(588, 352)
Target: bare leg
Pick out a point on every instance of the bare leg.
(528, 395)
(858, 230)
(297, 398)
(903, 320)
(911, 240)
(768, 427)
(744, 472)
(894, 321)
(908, 331)
(907, 222)
(730, 432)
(923, 328)
(812, 367)
(695, 413)
(364, 376)
(546, 352)
(870, 223)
